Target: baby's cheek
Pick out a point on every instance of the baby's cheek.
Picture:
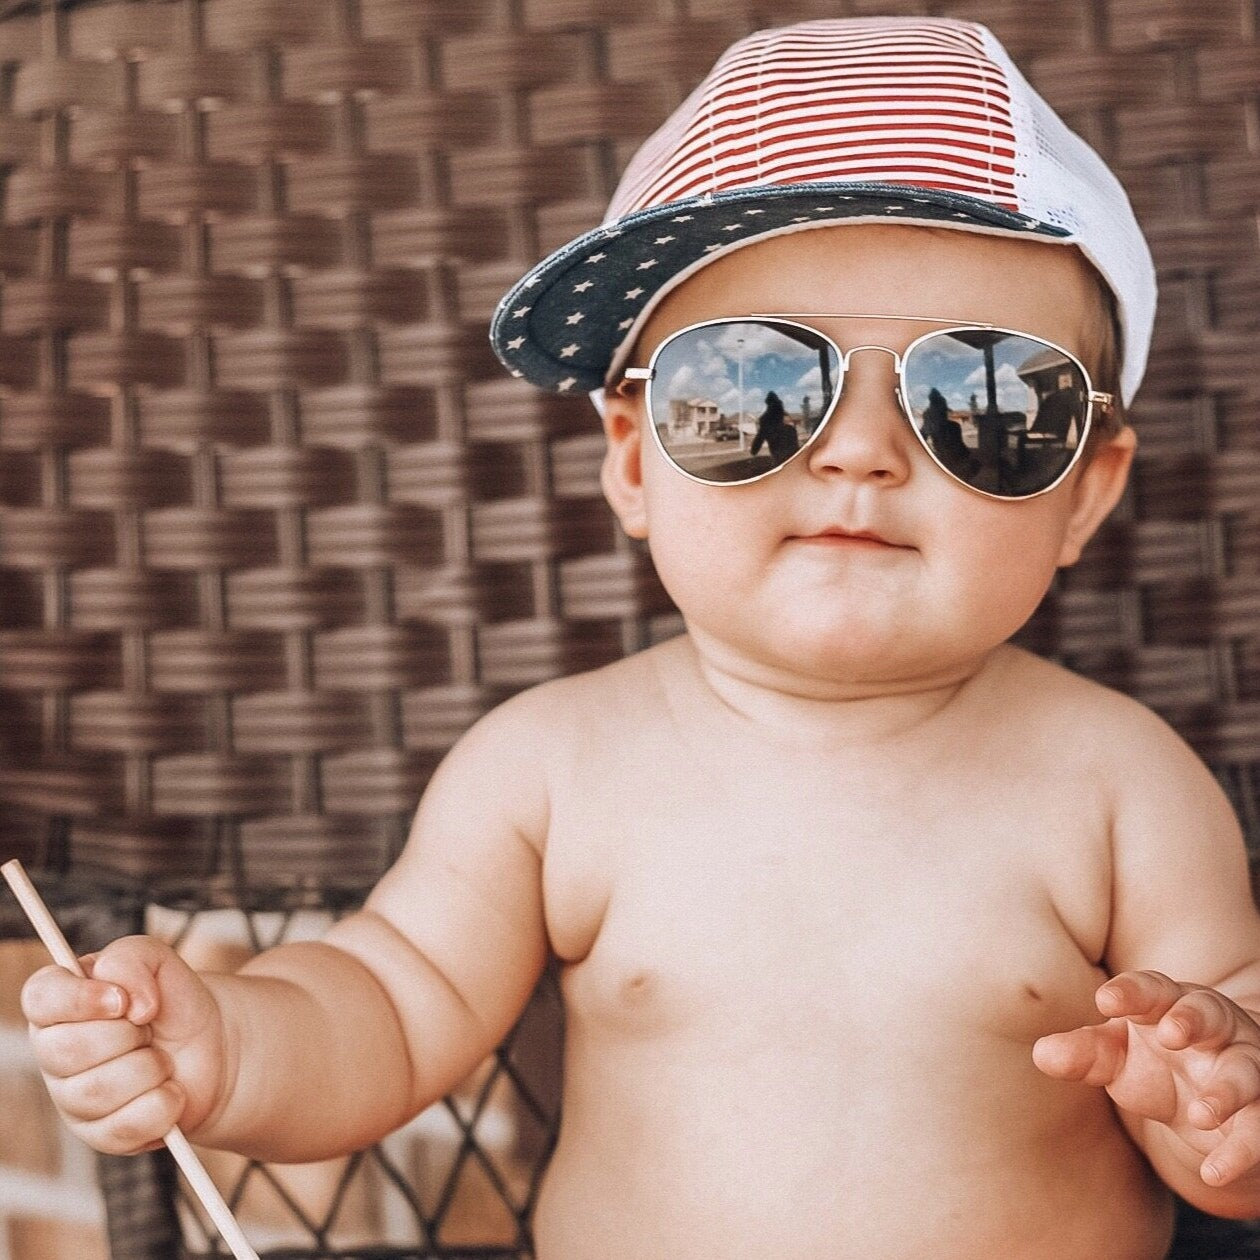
(699, 572)
(1003, 580)
(699, 538)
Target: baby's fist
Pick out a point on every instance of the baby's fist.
(131, 1050)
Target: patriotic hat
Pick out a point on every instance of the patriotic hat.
(855, 120)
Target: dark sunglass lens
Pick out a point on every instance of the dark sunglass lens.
(733, 400)
(1004, 413)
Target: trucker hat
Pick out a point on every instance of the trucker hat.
(847, 120)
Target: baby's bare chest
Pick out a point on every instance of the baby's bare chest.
(808, 909)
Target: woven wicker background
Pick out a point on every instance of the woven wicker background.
(275, 525)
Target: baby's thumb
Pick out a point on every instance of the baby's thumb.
(133, 964)
(1090, 1055)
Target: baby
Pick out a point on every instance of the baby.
(879, 937)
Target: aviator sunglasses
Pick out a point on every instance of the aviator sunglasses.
(732, 400)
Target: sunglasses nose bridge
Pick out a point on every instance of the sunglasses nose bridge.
(847, 355)
(861, 433)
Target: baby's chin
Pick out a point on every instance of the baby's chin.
(838, 666)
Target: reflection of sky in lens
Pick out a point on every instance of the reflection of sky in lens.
(958, 371)
(705, 365)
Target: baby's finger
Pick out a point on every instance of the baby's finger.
(1093, 1055)
(138, 1126)
(132, 963)
(1202, 1018)
(1239, 1153)
(109, 1087)
(1142, 996)
(1234, 1084)
(53, 995)
(68, 1049)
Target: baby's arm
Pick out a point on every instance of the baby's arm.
(1179, 1048)
(314, 1049)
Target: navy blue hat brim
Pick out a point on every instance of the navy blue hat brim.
(560, 324)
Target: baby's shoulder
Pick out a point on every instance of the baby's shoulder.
(1162, 800)
(1104, 725)
(581, 710)
(507, 768)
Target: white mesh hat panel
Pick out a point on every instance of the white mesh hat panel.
(1063, 181)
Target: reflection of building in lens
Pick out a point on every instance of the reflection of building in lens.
(698, 416)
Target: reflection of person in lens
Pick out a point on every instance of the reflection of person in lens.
(774, 430)
(944, 432)
(1055, 413)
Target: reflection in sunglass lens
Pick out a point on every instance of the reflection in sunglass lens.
(1004, 413)
(733, 400)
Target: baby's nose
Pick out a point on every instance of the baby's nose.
(865, 437)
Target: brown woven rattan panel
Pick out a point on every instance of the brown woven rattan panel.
(274, 525)
(277, 527)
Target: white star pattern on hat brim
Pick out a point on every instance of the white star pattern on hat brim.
(636, 267)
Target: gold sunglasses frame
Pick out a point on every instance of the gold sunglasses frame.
(1093, 397)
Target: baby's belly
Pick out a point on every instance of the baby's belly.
(785, 1156)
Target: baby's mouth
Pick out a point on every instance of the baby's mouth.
(838, 536)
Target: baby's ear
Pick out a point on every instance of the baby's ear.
(1096, 491)
(621, 475)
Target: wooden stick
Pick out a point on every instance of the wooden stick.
(192, 1167)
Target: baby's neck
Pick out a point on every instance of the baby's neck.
(797, 707)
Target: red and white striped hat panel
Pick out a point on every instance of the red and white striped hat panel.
(910, 101)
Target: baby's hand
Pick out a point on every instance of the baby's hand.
(1182, 1054)
(130, 1051)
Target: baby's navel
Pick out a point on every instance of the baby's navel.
(1032, 992)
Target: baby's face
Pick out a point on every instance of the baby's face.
(763, 584)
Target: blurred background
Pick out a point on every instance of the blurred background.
(275, 527)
